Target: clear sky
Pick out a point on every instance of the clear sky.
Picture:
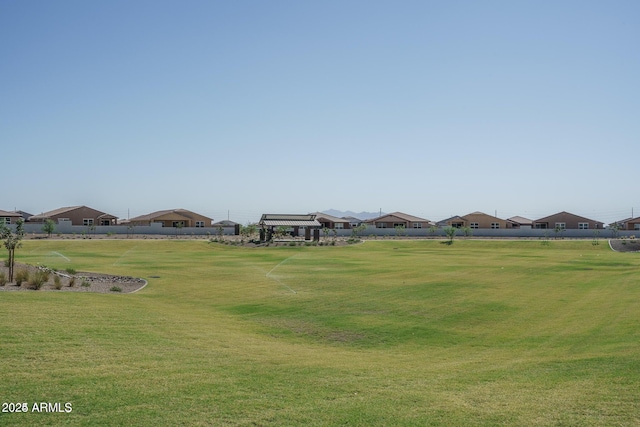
(237, 108)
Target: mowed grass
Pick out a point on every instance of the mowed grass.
(382, 333)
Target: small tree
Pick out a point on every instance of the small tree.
(400, 230)
(433, 230)
(355, 231)
(325, 233)
(615, 230)
(280, 232)
(12, 241)
(467, 231)
(49, 227)
(451, 233)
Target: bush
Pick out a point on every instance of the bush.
(3, 278)
(71, 270)
(56, 282)
(85, 283)
(39, 279)
(116, 289)
(22, 276)
(72, 282)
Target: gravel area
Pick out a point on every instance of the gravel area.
(78, 282)
(625, 245)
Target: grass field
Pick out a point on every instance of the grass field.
(381, 333)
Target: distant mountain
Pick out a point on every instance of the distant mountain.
(359, 215)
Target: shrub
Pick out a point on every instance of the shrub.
(22, 276)
(72, 282)
(56, 282)
(39, 279)
(292, 243)
(116, 289)
(3, 278)
(85, 283)
(71, 270)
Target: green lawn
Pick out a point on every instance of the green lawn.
(381, 333)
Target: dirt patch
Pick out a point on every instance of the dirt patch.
(65, 282)
(625, 245)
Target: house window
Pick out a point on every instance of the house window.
(541, 225)
(583, 226)
(177, 224)
(339, 225)
(398, 224)
(6, 220)
(636, 226)
(561, 225)
(474, 225)
(199, 224)
(62, 220)
(87, 221)
(381, 225)
(417, 225)
(495, 225)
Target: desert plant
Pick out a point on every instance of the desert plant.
(72, 282)
(115, 289)
(22, 276)
(57, 283)
(467, 231)
(70, 270)
(85, 283)
(39, 279)
(3, 278)
(450, 232)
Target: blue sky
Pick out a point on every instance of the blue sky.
(238, 108)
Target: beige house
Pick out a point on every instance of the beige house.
(399, 219)
(567, 221)
(519, 222)
(76, 215)
(332, 222)
(172, 218)
(7, 218)
(475, 220)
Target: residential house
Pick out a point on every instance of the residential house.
(332, 222)
(477, 220)
(519, 222)
(353, 221)
(625, 224)
(76, 215)
(454, 221)
(474, 220)
(7, 218)
(567, 221)
(399, 219)
(172, 218)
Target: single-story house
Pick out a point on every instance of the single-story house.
(477, 220)
(332, 222)
(172, 218)
(7, 218)
(227, 226)
(454, 221)
(76, 215)
(353, 221)
(519, 222)
(567, 221)
(399, 219)
(628, 224)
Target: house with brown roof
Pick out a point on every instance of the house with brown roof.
(476, 220)
(332, 222)
(567, 221)
(626, 224)
(519, 222)
(399, 219)
(76, 215)
(172, 218)
(8, 218)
